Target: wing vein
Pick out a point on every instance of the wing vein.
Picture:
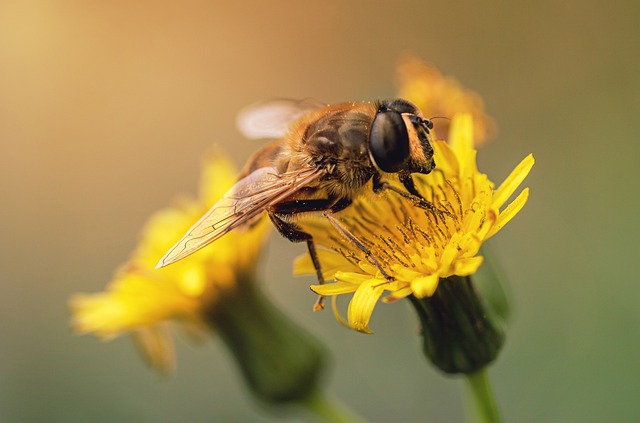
(243, 203)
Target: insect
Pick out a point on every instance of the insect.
(325, 158)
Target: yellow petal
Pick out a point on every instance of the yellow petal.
(445, 159)
(194, 281)
(425, 286)
(467, 266)
(96, 313)
(474, 219)
(362, 304)
(303, 264)
(369, 268)
(450, 252)
(439, 95)
(469, 246)
(334, 288)
(352, 277)
(515, 178)
(155, 346)
(461, 133)
(489, 221)
(401, 273)
(337, 314)
(461, 142)
(132, 301)
(218, 175)
(509, 212)
(398, 295)
(331, 262)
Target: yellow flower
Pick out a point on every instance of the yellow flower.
(417, 247)
(140, 298)
(437, 95)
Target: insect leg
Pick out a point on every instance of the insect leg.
(355, 241)
(294, 233)
(413, 195)
(333, 206)
(407, 181)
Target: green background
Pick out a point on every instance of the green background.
(107, 107)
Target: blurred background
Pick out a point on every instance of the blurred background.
(106, 109)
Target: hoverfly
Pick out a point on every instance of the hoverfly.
(324, 158)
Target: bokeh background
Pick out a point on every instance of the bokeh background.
(106, 109)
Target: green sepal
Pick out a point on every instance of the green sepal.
(460, 334)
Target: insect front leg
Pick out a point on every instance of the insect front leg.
(407, 181)
(412, 195)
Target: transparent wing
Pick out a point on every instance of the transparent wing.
(271, 119)
(246, 200)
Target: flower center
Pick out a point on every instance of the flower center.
(400, 233)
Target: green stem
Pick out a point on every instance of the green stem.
(484, 407)
(329, 410)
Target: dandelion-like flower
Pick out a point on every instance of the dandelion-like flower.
(214, 288)
(439, 95)
(140, 299)
(417, 247)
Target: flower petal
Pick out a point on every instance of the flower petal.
(439, 95)
(425, 286)
(194, 281)
(218, 175)
(509, 212)
(362, 304)
(337, 314)
(334, 288)
(445, 158)
(155, 346)
(352, 277)
(461, 141)
(303, 265)
(398, 295)
(461, 133)
(467, 266)
(515, 178)
(450, 252)
(403, 274)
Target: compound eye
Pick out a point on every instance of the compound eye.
(400, 105)
(389, 141)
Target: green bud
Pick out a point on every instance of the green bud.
(461, 334)
(279, 360)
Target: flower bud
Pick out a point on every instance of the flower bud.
(461, 333)
(279, 360)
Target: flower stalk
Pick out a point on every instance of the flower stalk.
(279, 360)
(482, 403)
(330, 410)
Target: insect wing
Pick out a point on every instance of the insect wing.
(245, 201)
(271, 119)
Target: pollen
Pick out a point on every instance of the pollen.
(412, 228)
